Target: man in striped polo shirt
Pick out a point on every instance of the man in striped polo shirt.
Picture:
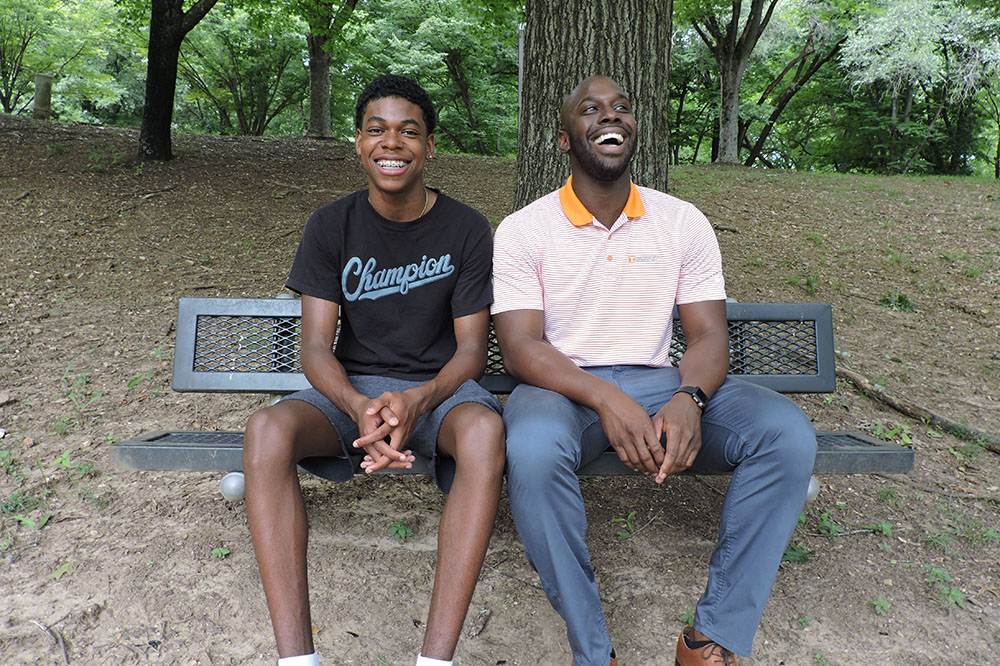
(585, 279)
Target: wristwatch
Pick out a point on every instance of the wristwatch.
(696, 394)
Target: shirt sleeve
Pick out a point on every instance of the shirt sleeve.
(473, 290)
(701, 276)
(516, 283)
(316, 267)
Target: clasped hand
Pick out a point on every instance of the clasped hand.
(385, 423)
(636, 437)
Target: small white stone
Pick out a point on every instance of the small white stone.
(813, 489)
(232, 486)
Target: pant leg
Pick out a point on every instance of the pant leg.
(548, 438)
(770, 445)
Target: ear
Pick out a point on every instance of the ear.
(430, 145)
(562, 140)
(357, 142)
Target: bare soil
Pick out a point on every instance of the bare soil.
(106, 566)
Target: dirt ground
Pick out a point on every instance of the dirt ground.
(107, 566)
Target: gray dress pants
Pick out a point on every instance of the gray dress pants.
(761, 437)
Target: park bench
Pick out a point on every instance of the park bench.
(252, 345)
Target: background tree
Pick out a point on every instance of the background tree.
(731, 33)
(927, 58)
(168, 25)
(814, 32)
(464, 54)
(247, 65)
(567, 40)
(326, 20)
(21, 21)
(72, 41)
(693, 96)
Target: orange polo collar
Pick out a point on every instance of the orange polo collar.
(581, 217)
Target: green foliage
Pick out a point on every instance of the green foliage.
(62, 570)
(900, 302)
(799, 553)
(939, 580)
(220, 553)
(20, 502)
(889, 496)
(465, 54)
(884, 528)
(687, 617)
(400, 531)
(626, 526)
(881, 606)
(244, 68)
(78, 43)
(828, 526)
(899, 434)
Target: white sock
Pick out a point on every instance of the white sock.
(301, 660)
(427, 661)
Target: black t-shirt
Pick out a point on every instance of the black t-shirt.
(399, 285)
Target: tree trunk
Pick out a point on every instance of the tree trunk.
(729, 114)
(453, 61)
(568, 40)
(168, 24)
(319, 87)
(732, 48)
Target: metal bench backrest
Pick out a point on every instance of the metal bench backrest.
(252, 345)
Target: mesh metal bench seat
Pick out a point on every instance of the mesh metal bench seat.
(241, 345)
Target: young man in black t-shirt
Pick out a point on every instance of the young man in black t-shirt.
(405, 270)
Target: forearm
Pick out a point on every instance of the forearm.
(327, 375)
(705, 362)
(538, 363)
(465, 364)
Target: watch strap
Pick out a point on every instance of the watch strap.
(697, 395)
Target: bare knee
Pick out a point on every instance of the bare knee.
(480, 446)
(269, 441)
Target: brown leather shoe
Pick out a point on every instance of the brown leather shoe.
(712, 654)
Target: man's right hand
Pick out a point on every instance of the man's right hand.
(631, 432)
(376, 422)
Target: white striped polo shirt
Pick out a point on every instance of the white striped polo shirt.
(607, 294)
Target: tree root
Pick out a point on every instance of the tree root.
(989, 441)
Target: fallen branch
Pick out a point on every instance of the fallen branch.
(990, 442)
(944, 492)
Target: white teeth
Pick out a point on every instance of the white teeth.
(610, 137)
(391, 164)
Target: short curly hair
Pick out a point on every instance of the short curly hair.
(394, 85)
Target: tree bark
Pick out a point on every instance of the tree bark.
(168, 25)
(319, 87)
(566, 41)
(324, 24)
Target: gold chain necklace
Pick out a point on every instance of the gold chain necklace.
(427, 201)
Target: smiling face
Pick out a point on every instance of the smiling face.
(598, 129)
(393, 144)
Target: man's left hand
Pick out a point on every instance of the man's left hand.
(398, 409)
(680, 421)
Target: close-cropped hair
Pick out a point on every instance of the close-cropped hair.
(395, 85)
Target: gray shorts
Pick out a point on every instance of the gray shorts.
(423, 439)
